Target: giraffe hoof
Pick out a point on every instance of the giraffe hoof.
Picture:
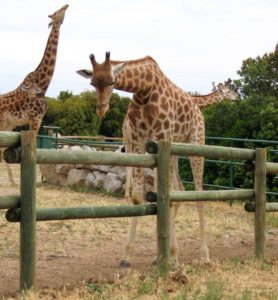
(125, 264)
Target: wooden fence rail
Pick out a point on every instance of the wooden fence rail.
(23, 209)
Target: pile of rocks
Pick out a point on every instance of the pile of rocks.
(111, 179)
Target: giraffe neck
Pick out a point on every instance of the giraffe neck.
(137, 77)
(42, 75)
(207, 100)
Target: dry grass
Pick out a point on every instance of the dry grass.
(232, 274)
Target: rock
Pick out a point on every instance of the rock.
(113, 183)
(120, 171)
(77, 176)
(104, 169)
(87, 148)
(74, 148)
(95, 179)
(63, 169)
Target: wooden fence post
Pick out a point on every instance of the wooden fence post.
(163, 206)
(27, 210)
(260, 189)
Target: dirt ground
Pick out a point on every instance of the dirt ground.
(71, 252)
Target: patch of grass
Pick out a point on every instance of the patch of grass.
(266, 266)
(87, 189)
(147, 286)
(235, 260)
(247, 295)
(214, 290)
(271, 220)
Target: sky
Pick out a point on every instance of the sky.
(195, 42)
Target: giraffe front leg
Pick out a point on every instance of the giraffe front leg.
(137, 197)
(174, 248)
(129, 247)
(176, 185)
(197, 166)
(10, 175)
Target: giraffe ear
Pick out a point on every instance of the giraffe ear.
(118, 68)
(85, 73)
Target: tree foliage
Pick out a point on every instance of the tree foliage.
(259, 76)
(76, 114)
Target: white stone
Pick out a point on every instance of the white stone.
(74, 148)
(113, 183)
(120, 171)
(95, 179)
(77, 176)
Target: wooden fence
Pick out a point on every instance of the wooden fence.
(22, 208)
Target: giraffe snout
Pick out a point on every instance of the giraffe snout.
(102, 109)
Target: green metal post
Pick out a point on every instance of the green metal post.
(28, 210)
(260, 188)
(163, 206)
(231, 179)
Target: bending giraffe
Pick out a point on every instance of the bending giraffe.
(159, 110)
(26, 104)
(220, 92)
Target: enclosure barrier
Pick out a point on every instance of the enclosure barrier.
(72, 213)
(261, 169)
(23, 208)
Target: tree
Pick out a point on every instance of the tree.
(259, 76)
(111, 124)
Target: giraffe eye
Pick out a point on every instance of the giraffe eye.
(111, 83)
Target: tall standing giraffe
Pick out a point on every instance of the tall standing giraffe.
(159, 110)
(25, 104)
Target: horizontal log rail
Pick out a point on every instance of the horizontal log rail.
(58, 156)
(9, 139)
(72, 213)
(10, 201)
(191, 196)
(214, 152)
(271, 168)
(269, 207)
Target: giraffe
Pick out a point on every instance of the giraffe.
(26, 104)
(220, 92)
(159, 110)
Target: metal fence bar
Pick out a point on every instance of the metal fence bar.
(241, 140)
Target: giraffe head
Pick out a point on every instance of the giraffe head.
(103, 78)
(58, 16)
(226, 91)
